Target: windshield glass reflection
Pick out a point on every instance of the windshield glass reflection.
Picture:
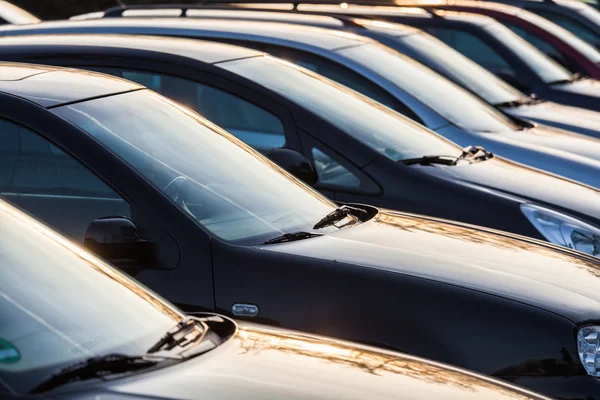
(228, 188)
(372, 123)
(60, 305)
(461, 69)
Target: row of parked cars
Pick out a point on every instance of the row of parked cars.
(401, 182)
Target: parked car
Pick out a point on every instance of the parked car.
(11, 14)
(80, 329)
(373, 70)
(361, 151)
(581, 19)
(556, 42)
(410, 41)
(213, 226)
(491, 45)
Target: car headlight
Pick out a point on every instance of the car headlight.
(564, 230)
(588, 346)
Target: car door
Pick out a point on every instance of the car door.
(56, 173)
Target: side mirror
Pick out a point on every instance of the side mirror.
(116, 239)
(295, 163)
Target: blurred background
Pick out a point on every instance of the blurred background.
(58, 9)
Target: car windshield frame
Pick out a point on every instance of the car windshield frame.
(371, 123)
(466, 111)
(547, 70)
(182, 154)
(95, 309)
(453, 64)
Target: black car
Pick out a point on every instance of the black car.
(487, 42)
(348, 147)
(75, 328)
(212, 225)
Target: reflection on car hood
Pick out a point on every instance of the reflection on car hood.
(270, 363)
(526, 270)
(529, 184)
(587, 87)
(579, 120)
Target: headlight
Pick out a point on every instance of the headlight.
(588, 346)
(563, 230)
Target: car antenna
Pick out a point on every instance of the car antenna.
(121, 4)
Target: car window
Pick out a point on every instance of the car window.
(572, 25)
(543, 45)
(340, 74)
(45, 181)
(250, 123)
(59, 306)
(221, 183)
(367, 121)
(472, 47)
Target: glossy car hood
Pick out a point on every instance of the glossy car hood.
(269, 363)
(587, 87)
(525, 270)
(579, 120)
(528, 184)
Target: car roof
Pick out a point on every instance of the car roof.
(200, 50)
(328, 39)
(53, 86)
(15, 15)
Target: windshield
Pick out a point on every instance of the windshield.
(453, 103)
(60, 305)
(227, 187)
(369, 122)
(581, 46)
(452, 64)
(547, 69)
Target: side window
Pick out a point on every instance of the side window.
(572, 25)
(335, 173)
(43, 180)
(472, 47)
(248, 122)
(337, 73)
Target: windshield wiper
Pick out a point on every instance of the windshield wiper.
(574, 78)
(97, 367)
(469, 153)
(337, 215)
(187, 331)
(290, 237)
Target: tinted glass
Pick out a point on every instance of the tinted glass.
(572, 25)
(460, 69)
(250, 123)
(581, 46)
(331, 172)
(375, 125)
(48, 183)
(546, 69)
(223, 184)
(455, 104)
(59, 305)
(542, 45)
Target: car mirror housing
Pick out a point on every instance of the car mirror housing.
(295, 163)
(116, 239)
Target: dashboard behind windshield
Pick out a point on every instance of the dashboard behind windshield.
(228, 188)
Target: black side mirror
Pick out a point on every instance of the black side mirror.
(295, 163)
(116, 239)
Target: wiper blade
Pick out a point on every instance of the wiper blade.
(337, 215)
(97, 367)
(474, 153)
(290, 237)
(429, 160)
(187, 331)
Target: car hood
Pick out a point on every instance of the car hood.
(527, 184)
(579, 120)
(270, 363)
(589, 88)
(525, 270)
